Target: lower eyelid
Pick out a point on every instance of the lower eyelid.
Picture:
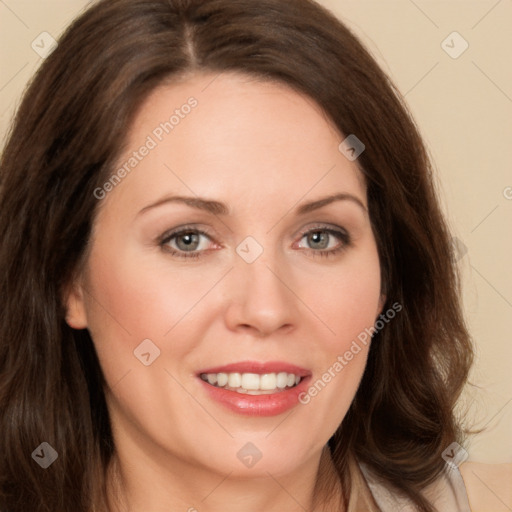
(183, 255)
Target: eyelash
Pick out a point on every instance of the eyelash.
(341, 234)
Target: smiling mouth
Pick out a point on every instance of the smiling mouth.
(253, 383)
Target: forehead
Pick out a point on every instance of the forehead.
(230, 135)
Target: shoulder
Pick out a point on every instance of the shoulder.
(447, 493)
(489, 486)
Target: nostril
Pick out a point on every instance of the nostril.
(262, 331)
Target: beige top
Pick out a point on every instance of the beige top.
(447, 493)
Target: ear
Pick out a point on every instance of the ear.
(76, 314)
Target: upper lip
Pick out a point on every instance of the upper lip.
(258, 367)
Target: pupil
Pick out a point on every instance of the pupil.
(319, 240)
(188, 241)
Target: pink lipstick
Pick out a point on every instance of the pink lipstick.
(255, 388)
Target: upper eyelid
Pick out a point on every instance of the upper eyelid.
(167, 235)
(191, 227)
(332, 228)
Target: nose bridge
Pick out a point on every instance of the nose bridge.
(261, 280)
(262, 299)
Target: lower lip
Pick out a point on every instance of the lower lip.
(257, 405)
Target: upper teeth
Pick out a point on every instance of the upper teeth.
(252, 381)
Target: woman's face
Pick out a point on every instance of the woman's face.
(233, 258)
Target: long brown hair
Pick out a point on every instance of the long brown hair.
(65, 139)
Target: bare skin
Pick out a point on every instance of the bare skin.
(264, 152)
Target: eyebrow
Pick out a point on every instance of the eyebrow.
(218, 208)
(315, 205)
(208, 205)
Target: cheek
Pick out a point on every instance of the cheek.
(346, 299)
(133, 297)
(348, 303)
(144, 298)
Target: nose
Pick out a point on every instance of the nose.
(262, 300)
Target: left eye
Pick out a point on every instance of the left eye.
(188, 241)
(321, 239)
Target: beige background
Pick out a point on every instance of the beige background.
(463, 107)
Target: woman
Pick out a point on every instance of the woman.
(226, 280)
